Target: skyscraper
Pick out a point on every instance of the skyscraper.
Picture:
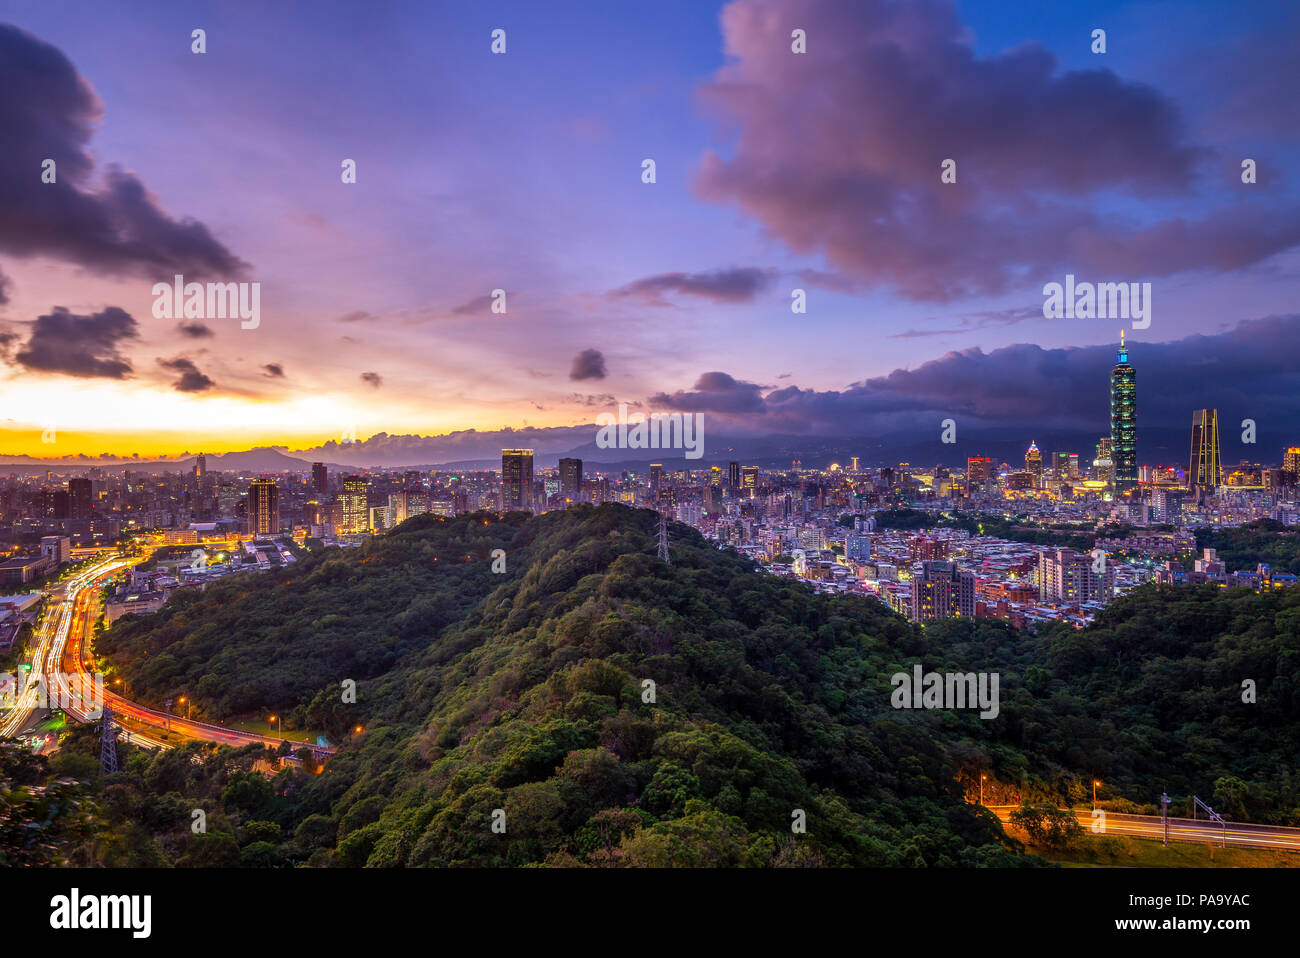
(263, 507)
(979, 469)
(1123, 419)
(516, 479)
(749, 479)
(571, 479)
(656, 478)
(79, 498)
(733, 475)
(1034, 463)
(356, 515)
(320, 478)
(1204, 471)
(200, 466)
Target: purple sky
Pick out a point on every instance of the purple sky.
(522, 172)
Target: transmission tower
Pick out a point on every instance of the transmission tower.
(663, 539)
(107, 743)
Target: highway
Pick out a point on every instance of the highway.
(62, 654)
(1182, 829)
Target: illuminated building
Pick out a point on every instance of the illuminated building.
(1034, 464)
(1067, 577)
(571, 479)
(320, 478)
(1291, 466)
(749, 478)
(979, 469)
(1204, 471)
(356, 518)
(1123, 419)
(200, 466)
(656, 478)
(79, 498)
(516, 479)
(263, 515)
(942, 591)
(733, 475)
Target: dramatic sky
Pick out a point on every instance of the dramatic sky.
(522, 171)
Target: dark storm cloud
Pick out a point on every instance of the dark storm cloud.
(714, 392)
(86, 346)
(274, 370)
(5, 285)
(191, 381)
(588, 364)
(106, 222)
(1036, 149)
(1252, 370)
(195, 329)
(739, 285)
(374, 379)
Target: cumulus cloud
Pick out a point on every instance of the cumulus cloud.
(588, 364)
(195, 329)
(838, 154)
(103, 220)
(274, 370)
(737, 285)
(85, 346)
(714, 392)
(374, 379)
(192, 380)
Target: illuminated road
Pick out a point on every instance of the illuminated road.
(1183, 829)
(62, 653)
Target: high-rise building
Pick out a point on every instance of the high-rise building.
(1103, 467)
(79, 498)
(1123, 419)
(1204, 471)
(1034, 464)
(320, 478)
(979, 469)
(942, 591)
(715, 476)
(516, 479)
(263, 517)
(200, 466)
(1291, 466)
(571, 479)
(749, 479)
(1068, 577)
(733, 475)
(356, 515)
(656, 479)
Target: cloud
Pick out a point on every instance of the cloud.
(374, 379)
(195, 330)
(356, 316)
(838, 152)
(736, 285)
(191, 381)
(588, 364)
(274, 370)
(5, 285)
(84, 346)
(1250, 371)
(105, 221)
(714, 392)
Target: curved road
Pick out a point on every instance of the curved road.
(1183, 829)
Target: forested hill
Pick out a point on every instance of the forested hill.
(525, 691)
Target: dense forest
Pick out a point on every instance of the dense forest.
(601, 707)
(1265, 540)
(1015, 529)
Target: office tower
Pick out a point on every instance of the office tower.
(79, 498)
(733, 475)
(749, 479)
(320, 478)
(571, 479)
(1074, 465)
(263, 507)
(1103, 466)
(1204, 471)
(979, 469)
(516, 479)
(853, 464)
(1291, 466)
(1034, 464)
(397, 511)
(1167, 505)
(1068, 578)
(200, 466)
(1123, 419)
(942, 591)
(356, 518)
(656, 479)
(715, 476)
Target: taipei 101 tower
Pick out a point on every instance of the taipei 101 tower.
(1123, 419)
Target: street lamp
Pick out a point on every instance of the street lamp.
(278, 724)
(1095, 783)
(358, 730)
(983, 779)
(187, 706)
